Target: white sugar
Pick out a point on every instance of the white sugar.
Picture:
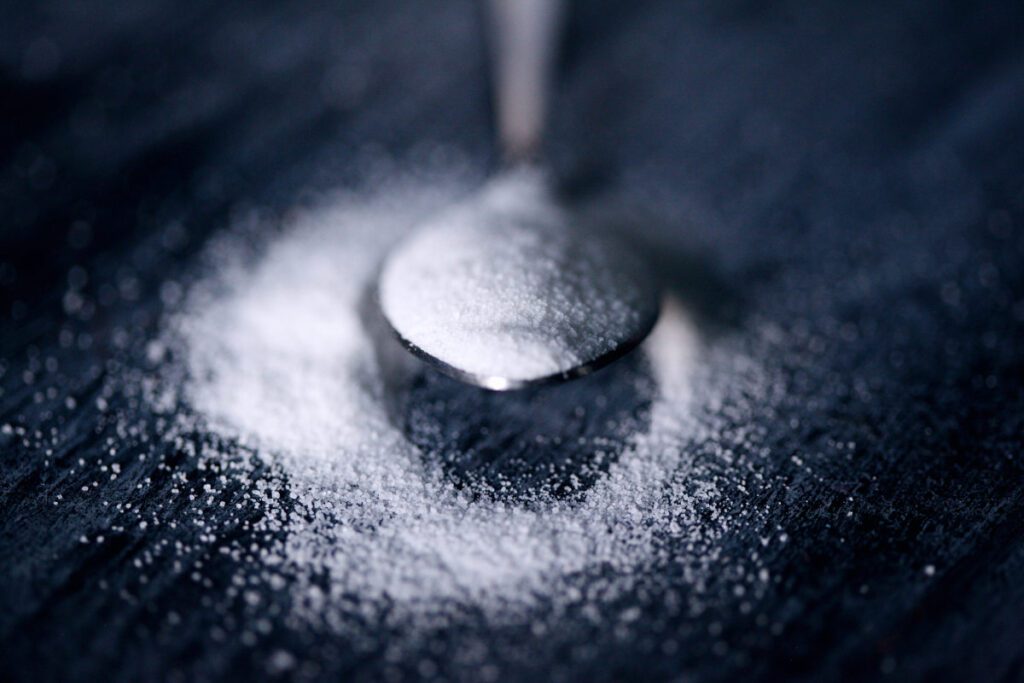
(278, 358)
(505, 286)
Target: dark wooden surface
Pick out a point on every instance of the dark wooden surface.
(850, 175)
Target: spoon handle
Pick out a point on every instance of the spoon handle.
(524, 35)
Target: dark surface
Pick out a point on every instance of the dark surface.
(853, 174)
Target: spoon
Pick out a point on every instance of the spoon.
(506, 290)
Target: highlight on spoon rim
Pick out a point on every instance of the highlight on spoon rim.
(498, 383)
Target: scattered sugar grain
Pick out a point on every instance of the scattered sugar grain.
(275, 357)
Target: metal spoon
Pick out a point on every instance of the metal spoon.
(506, 291)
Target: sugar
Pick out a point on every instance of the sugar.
(504, 285)
(277, 357)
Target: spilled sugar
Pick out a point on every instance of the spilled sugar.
(277, 358)
(505, 286)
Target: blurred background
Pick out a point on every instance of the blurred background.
(845, 176)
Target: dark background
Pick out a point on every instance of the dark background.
(851, 174)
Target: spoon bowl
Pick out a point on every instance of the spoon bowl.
(505, 292)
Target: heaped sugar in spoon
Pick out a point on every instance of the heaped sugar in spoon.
(505, 290)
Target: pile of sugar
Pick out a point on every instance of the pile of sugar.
(503, 286)
(278, 360)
